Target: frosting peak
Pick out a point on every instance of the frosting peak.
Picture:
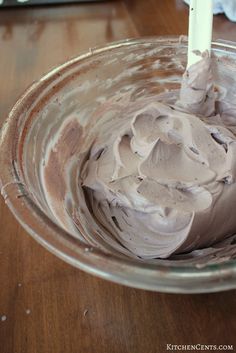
(197, 94)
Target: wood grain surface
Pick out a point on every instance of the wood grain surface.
(47, 306)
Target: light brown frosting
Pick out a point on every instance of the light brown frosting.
(154, 179)
(161, 179)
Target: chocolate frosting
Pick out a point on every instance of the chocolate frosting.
(161, 179)
(154, 179)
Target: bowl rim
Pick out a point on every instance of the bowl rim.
(179, 279)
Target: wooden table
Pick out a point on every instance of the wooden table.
(50, 307)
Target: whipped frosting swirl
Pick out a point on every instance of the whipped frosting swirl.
(160, 179)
